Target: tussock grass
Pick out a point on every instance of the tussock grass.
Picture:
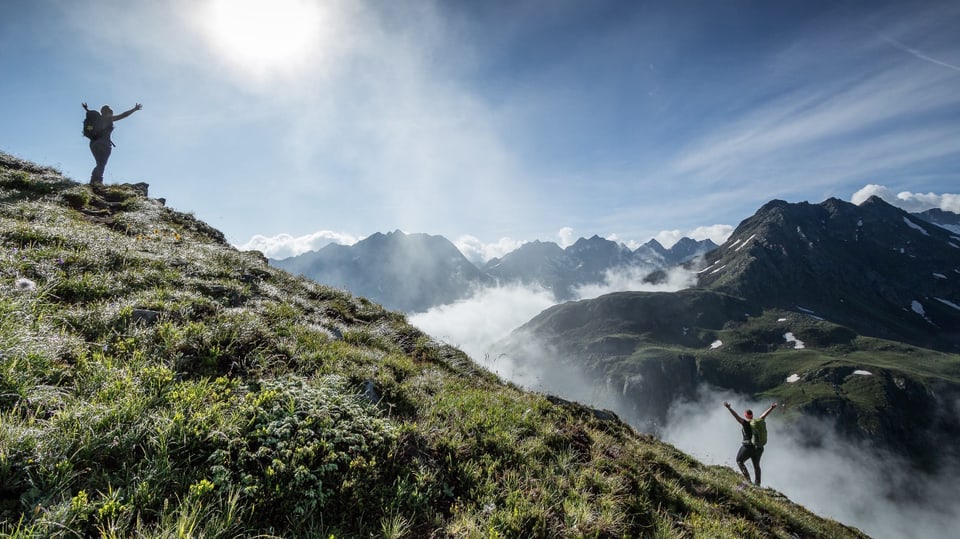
(156, 383)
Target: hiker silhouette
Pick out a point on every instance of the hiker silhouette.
(754, 439)
(97, 126)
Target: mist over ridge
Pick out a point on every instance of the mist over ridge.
(819, 459)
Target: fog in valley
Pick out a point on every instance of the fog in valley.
(806, 461)
(852, 483)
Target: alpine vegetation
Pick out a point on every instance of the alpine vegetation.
(156, 382)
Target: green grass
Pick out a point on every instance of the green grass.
(155, 382)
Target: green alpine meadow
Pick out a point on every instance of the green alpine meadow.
(155, 382)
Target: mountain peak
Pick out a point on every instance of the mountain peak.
(862, 266)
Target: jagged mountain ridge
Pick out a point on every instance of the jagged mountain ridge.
(156, 382)
(872, 267)
(413, 272)
(408, 272)
(942, 218)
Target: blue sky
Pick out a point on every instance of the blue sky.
(291, 123)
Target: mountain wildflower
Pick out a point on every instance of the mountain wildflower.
(25, 285)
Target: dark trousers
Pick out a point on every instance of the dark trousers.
(100, 148)
(752, 452)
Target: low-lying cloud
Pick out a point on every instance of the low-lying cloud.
(478, 252)
(490, 314)
(633, 278)
(487, 316)
(716, 233)
(284, 245)
(806, 460)
(911, 202)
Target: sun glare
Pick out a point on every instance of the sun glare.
(264, 35)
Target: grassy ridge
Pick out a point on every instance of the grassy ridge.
(155, 382)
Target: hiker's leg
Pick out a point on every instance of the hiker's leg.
(755, 458)
(742, 457)
(101, 153)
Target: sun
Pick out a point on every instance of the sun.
(263, 35)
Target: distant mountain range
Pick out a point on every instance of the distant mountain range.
(849, 313)
(414, 272)
(941, 218)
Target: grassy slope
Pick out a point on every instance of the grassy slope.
(618, 333)
(760, 342)
(156, 382)
(630, 335)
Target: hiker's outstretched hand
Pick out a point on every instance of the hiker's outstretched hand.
(84, 106)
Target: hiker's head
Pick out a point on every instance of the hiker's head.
(748, 414)
(106, 110)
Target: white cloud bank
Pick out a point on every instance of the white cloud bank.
(476, 323)
(716, 233)
(478, 252)
(284, 245)
(905, 200)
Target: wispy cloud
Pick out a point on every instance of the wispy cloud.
(478, 252)
(811, 126)
(822, 134)
(920, 54)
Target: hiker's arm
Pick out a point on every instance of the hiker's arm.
(123, 115)
(734, 414)
(770, 409)
(85, 107)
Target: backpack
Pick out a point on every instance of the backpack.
(92, 125)
(759, 428)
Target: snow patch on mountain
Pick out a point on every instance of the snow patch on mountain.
(917, 307)
(797, 343)
(915, 226)
(707, 268)
(949, 303)
(745, 243)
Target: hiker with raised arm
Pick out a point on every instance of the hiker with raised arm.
(97, 127)
(754, 439)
